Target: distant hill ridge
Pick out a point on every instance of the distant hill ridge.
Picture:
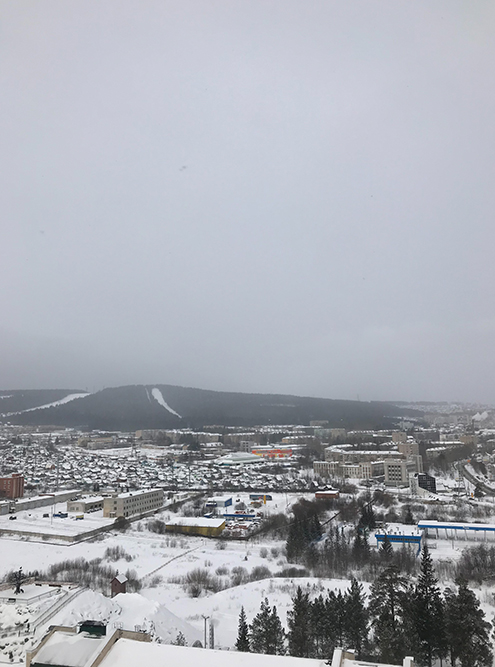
(167, 406)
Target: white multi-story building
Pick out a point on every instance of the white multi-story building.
(395, 471)
(135, 502)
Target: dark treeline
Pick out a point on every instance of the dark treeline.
(397, 619)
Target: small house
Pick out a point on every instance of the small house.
(119, 584)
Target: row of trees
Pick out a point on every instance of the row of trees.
(341, 553)
(397, 619)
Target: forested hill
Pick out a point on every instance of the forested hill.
(166, 406)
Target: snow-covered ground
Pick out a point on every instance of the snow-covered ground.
(163, 606)
(41, 520)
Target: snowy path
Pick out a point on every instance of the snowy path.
(184, 553)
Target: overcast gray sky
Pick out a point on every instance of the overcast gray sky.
(255, 195)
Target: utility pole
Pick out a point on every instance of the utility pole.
(205, 618)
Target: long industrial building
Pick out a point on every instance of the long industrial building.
(196, 526)
(130, 504)
(455, 530)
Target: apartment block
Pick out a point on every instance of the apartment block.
(408, 448)
(12, 487)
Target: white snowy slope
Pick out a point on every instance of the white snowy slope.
(158, 396)
(62, 401)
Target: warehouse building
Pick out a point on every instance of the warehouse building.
(399, 533)
(196, 526)
(456, 530)
(133, 503)
(84, 505)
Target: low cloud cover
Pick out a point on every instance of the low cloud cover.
(259, 196)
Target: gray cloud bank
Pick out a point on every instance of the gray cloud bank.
(260, 196)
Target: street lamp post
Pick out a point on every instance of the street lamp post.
(205, 618)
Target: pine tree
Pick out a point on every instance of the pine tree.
(316, 623)
(355, 618)
(427, 614)
(298, 622)
(180, 640)
(267, 633)
(386, 548)
(467, 632)
(408, 517)
(311, 557)
(315, 531)
(367, 519)
(260, 625)
(340, 610)
(388, 615)
(276, 644)
(357, 547)
(296, 541)
(242, 643)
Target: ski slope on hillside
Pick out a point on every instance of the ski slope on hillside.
(62, 401)
(158, 396)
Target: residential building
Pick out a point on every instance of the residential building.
(247, 445)
(12, 487)
(119, 585)
(414, 463)
(346, 454)
(408, 447)
(362, 470)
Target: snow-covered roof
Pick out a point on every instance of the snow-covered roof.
(121, 578)
(92, 499)
(456, 525)
(141, 492)
(72, 650)
(238, 457)
(399, 529)
(128, 653)
(196, 521)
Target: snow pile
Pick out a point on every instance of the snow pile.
(158, 396)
